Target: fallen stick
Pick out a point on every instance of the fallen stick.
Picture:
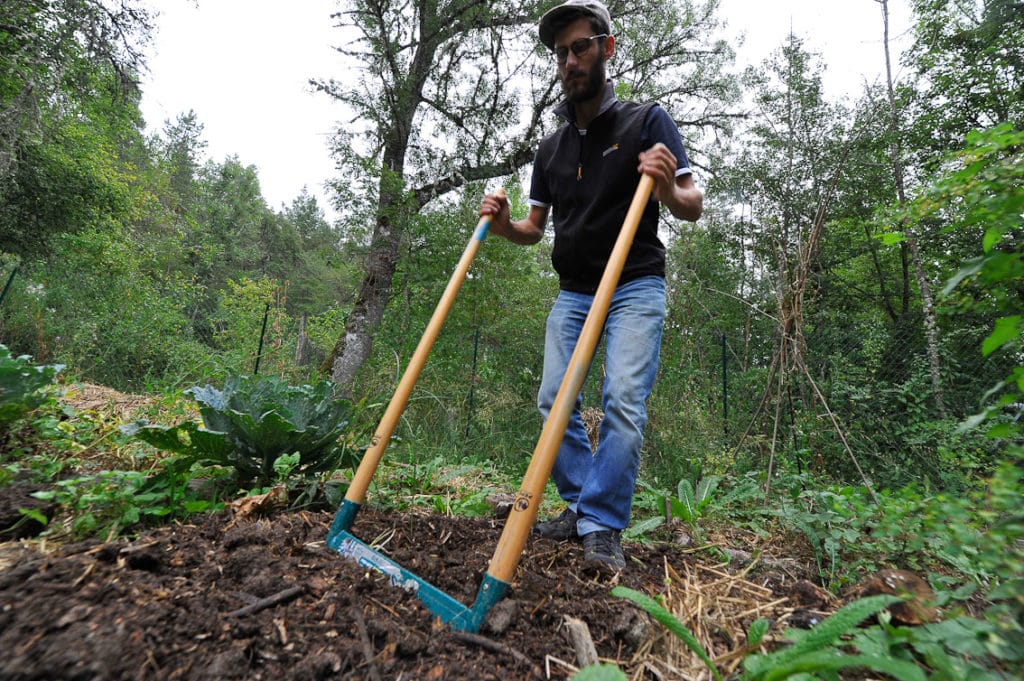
(367, 645)
(496, 647)
(269, 602)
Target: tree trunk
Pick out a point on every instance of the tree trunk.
(927, 302)
(305, 352)
(354, 344)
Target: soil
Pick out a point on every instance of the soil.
(256, 594)
(171, 604)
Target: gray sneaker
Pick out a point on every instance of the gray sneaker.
(603, 550)
(560, 528)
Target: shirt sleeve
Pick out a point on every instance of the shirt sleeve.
(659, 127)
(540, 196)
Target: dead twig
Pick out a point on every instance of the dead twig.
(495, 647)
(364, 637)
(269, 602)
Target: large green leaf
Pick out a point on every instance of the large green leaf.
(1007, 329)
(21, 385)
(186, 438)
(817, 646)
(822, 661)
(684, 506)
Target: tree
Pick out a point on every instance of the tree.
(910, 239)
(967, 60)
(182, 150)
(68, 103)
(324, 275)
(797, 153)
(455, 92)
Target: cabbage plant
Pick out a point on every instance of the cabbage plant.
(22, 385)
(253, 422)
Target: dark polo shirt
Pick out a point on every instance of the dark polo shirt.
(588, 178)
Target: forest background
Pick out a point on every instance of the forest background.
(847, 313)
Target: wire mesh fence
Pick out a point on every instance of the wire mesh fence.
(853, 396)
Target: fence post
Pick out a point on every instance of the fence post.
(472, 379)
(725, 391)
(7, 286)
(263, 332)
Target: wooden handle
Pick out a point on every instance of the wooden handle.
(524, 509)
(371, 459)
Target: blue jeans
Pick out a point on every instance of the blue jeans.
(599, 486)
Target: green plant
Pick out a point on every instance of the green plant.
(252, 422)
(959, 648)
(688, 504)
(22, 385)
(823, 516)
(111, 501)
(284, 465)
(8, 474)
(818, 652)
(988, 546)
(460, 490)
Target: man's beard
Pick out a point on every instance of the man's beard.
(591, 85)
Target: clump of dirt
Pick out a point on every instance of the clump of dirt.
(264, 598)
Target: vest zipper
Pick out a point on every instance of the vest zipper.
(579, 160)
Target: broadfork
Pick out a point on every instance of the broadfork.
(498, 578)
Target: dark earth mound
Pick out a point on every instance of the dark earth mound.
(171, 604)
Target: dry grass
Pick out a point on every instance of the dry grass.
(717, 607)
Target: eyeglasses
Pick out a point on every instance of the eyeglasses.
(579, 47)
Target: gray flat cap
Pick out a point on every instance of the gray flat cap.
(552, 22)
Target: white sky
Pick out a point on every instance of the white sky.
(244, 65)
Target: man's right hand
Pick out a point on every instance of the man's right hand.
(526, 231)
(496, 205)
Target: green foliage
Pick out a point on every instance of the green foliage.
(109, 502)
(818, 651)
(22, 385)
(239, 318)
(983, 198)
(442, 486)
(477, 391)
(966, 59)
(957, 648)
(715, 499)
(250, 424)
(831, 522)
(69, 97)
(689, 504)
(135, 329)
(979, 534)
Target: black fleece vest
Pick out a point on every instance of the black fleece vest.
(592, 179)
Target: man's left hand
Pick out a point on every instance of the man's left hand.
(660, 164)
(678, 194)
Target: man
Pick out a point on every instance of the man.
(587, 172)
